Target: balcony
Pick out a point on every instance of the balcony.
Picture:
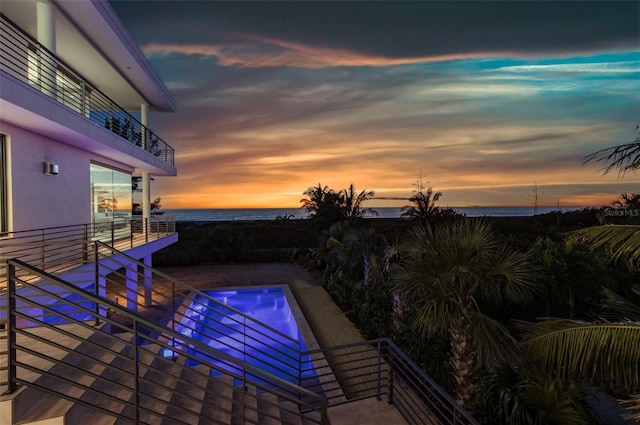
(61, 250)
(26, 60)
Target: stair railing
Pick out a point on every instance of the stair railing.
(74, 338)
(379, 368)
(192, 311)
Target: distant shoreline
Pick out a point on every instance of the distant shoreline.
(208, 215)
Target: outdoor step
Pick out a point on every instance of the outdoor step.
(289, 413)
(218, 401)
(268, 409)
(159, 379)
(49, 407)
(53, 406)
(98, 396)
(187, 400)
(248, 415)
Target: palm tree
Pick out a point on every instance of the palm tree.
(524, 396)
(424, 204)
(447, 274)
(623, 157)
(317, 198)
(351, 202)
(323, 203)
(607, 350)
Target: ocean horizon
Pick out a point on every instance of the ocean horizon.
(268, 214)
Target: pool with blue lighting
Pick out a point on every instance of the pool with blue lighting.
(274, 349)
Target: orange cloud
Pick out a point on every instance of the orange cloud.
(251, 53)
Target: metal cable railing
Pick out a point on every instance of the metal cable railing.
(329, 376)
(64, 248)
(193, 313)
(106, 358)
(26, 60)
(379, 368)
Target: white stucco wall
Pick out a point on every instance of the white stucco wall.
(38, 200)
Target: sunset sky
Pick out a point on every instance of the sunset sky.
(483, 99)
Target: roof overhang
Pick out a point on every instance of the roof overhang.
(91, 38)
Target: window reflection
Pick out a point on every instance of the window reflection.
(110, 203)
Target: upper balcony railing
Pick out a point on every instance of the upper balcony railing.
(23, 58)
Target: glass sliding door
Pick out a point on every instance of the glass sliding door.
(110, 203)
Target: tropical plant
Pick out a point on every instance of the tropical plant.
(351, 202)
(602, 352)
(609, 351)
(323, 203)
(623, 157)
(526, 396)
(447, 274)
(423, 204)
(627, 200)
(572, 278)
(606, 351)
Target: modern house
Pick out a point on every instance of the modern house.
(76, 93)
(75, 97)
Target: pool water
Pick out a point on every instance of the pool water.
(223, 329)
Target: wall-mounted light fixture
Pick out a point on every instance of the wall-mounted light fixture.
(49, 168)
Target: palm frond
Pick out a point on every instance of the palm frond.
(618, 308)
(607, 351)
(633, 405)
(494, 343)
(622, 242)
(623, 157)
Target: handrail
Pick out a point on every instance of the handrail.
(195, 320)
(93, 306)
(26, 60)
(379, 367)
(62, 248)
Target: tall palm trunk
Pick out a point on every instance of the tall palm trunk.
(464, 362)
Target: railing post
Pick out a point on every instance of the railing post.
(379, 372)
(96, 277)
(42, 259)
(299, 366)
(243, 401)
(85, 256)
(83, 103)
(324, 414)
(136, 358)
(173, 317)
(391, 373)
(244, 339)
(11, 329)
(146, 229)
(113, 233)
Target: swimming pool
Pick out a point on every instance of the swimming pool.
(275, 349)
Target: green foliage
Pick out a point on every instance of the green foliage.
(423, 204)
(446, 274)
(511, 396)
(356, 261)
(572, 277)
(328, 206)
(431, 354)
(602, 352)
